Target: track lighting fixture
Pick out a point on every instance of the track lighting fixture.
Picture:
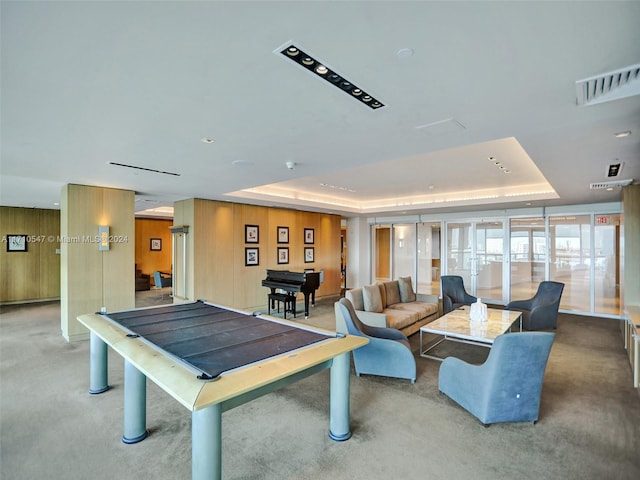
(320, 69)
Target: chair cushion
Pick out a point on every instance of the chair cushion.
(392, 292)
(399, 319)
(372, 298)
(406, 290)
(423, 309)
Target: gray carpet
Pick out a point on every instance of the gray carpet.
(51, 427)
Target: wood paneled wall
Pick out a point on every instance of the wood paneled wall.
(216, 269)
(90, 278)
(34, 274)
(149, 260)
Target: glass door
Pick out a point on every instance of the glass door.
(475, 251)
(428, 254)
(380, 253)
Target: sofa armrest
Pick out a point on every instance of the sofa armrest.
(373, 319)
(423, 297)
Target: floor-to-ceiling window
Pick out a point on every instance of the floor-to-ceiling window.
(503, 259)
(489, 253)
(528, 256)
(570, 245)
(606, 273)
(475, 251)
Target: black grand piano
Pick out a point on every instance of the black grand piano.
(293, 282)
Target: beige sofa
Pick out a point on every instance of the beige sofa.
(393, 304)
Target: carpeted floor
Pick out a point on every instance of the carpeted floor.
(52, 428)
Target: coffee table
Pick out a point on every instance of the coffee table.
(455, 326)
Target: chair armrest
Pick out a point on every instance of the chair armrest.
(386, 333)
(523, 304)
(372, 319)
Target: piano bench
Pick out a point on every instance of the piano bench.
(288, 300)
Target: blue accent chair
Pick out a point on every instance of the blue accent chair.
(453, 293)
(388, 353)
(507, 387)
(162, 280)
(540, 311)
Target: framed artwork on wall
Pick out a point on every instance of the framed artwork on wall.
(308, 255)
(283, 255)
(251, 234)
(251, 256)
(308, 235)
(283, 234)
(156, 244)
(16, 243)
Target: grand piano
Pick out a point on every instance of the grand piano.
(293, 282)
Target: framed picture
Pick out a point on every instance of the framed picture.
(251, 256)
(156, 244)
(16, 243)
(283, 234)
(251, 234)
(283, 255)
(308, 235)
(308, 254)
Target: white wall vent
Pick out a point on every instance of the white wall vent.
(609, 86)
(615, 183)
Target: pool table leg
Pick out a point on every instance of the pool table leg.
(206, 443)
(339, 401)
(135, 404)
(98, 360)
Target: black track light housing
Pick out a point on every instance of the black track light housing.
(319, 69)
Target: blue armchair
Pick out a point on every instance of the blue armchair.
(540, 311)
(162, 280)
(453, 293)
(388, 353)
(507, 387)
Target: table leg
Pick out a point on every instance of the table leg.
(135, 404)
(339, 401)
(98, 359)
(206, 443)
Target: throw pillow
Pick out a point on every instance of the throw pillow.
(371, 298)
(393, 293)
(406, 290)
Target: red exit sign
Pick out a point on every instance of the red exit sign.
(602, 219)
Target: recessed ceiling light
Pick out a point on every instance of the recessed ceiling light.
(623, 134)
(207, 140)
(321, 69)
(241, 163)
(404, 52)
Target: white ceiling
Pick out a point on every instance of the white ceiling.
(141, 83)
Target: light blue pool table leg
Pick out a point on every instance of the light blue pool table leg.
(135, 404)
(98, 361)
(339, 401)
(206, 443)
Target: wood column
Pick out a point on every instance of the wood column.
(91, 279)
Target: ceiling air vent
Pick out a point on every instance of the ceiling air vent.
(609, 86)
(615, 183)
